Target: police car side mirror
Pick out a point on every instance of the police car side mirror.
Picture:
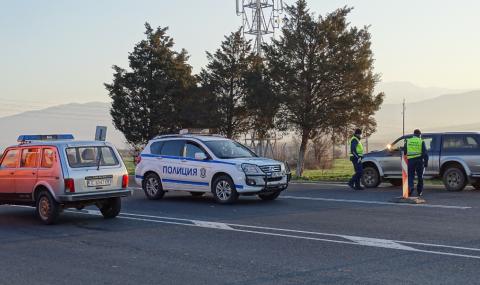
(200, 156)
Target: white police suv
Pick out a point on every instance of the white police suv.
(208, 163)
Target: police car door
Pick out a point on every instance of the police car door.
(198, 168)
(171, 166)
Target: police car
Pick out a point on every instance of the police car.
(200, 163)
(54, 172)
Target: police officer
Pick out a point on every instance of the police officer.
(417, 160)
(356, 155)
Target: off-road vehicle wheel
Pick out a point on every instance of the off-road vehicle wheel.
(111, 207)
(396, 182)
(47, 209)
(370, 177)
(454, 179)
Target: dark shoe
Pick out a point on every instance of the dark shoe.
(350, 184)
(359, 188)
(420, 194)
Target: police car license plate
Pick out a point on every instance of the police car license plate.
(276, 174)
(96, 181)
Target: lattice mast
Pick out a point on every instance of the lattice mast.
(259, 18)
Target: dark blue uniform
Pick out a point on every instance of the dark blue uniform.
(416, 166)
(356, 159)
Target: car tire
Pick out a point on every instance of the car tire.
(197, 194)
(396, 182)
(111, 207)
(47, 209)
(152, 186)
(454, 179)
(223, 190)
(370, 177)
(269, 196)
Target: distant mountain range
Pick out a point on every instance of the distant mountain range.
(457, 111)
(397, 91)
(444, 113)
(77, 119)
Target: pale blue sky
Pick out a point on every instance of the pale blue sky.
(56, 52)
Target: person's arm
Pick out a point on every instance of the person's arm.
(405, 148)
(424, 154)
(353, 148)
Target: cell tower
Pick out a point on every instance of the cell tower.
(260, 17)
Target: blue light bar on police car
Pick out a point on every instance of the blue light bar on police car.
(24, 138)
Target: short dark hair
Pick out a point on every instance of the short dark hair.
(358, 132)
(417, 132)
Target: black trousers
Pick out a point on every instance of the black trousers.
(415, 166)
(357, 165)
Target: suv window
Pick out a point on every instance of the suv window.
(173, 148)
(10, 159)
(29, 157)
(451, 142)
(48, 158)
(90, 156)
(156, 147)
(191, 148)
(428, 140)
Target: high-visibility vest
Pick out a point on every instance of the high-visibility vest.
(359, 148)
(414, 147)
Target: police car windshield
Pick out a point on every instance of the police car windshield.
(229, 149)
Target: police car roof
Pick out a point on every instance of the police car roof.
(192, 136)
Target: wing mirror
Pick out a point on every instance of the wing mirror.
(200, 156)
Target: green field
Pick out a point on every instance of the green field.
(128, 160)
(342, 170)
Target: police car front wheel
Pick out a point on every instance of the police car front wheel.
(224, 190)
(152, 186)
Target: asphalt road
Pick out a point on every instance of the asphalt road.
(313, 234)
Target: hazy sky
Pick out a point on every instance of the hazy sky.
(54, 52)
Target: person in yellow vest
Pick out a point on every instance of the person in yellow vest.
(356, 155)
(417, 156)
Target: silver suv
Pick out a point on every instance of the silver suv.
(453, 157)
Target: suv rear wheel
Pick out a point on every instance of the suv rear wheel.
(223, 190)
(152, 186)
(47, 208)
(370, 177)
(454, 179)
(396, 182)
(111, 208)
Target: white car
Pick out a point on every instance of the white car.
(208, 163)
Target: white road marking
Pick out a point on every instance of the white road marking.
(379, 243)
(212, 225)
(298, 234)
(375, 202)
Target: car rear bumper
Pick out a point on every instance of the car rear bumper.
(95, 195)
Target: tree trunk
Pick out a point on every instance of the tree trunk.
(301, 153)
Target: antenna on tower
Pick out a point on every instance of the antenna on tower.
(259, 18)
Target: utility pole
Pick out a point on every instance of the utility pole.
(259, 18)
(403, 116)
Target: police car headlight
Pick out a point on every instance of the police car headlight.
(251, 169)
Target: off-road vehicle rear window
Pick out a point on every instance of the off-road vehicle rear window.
(91, 156)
